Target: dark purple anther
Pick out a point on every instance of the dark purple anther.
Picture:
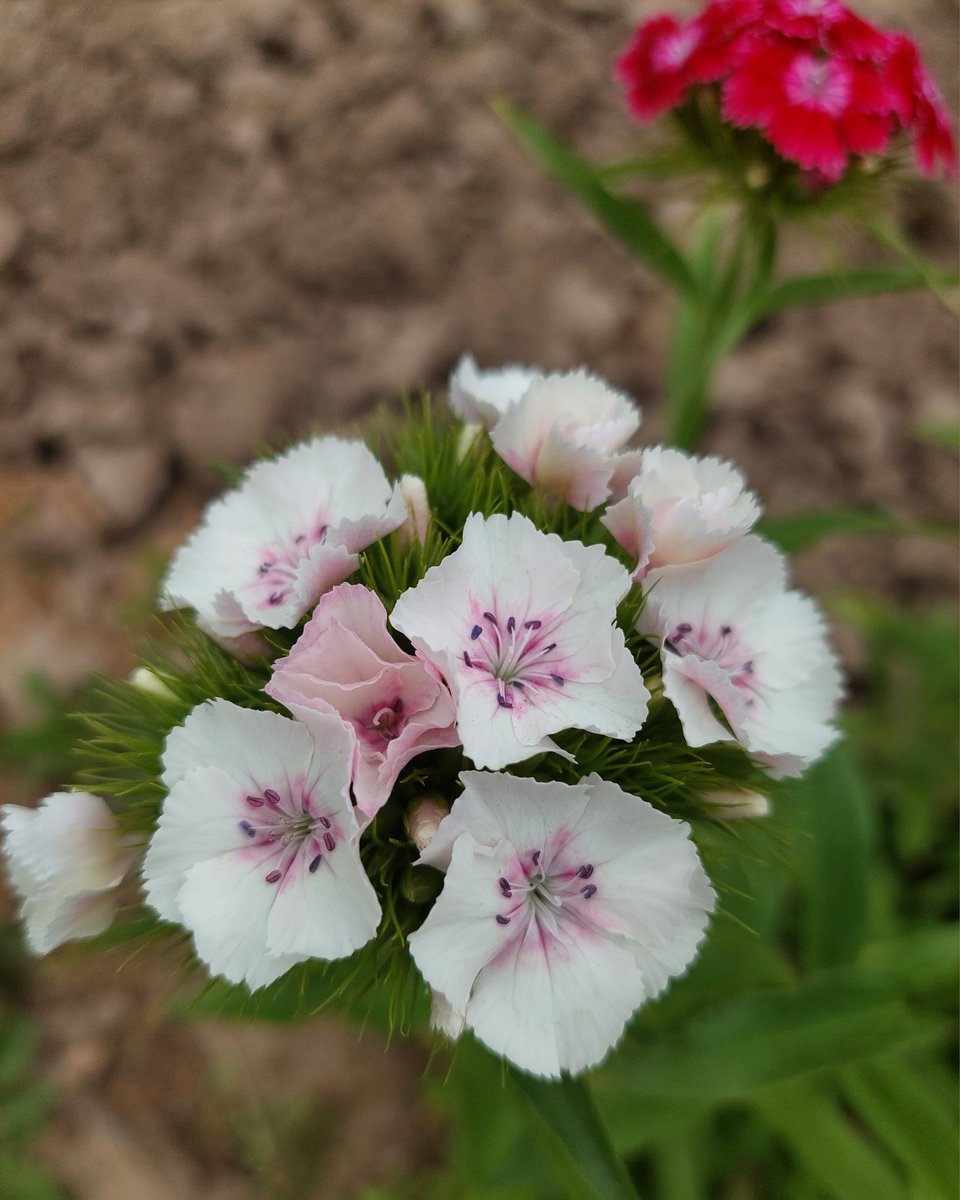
(504, 885)
(314, 863)
(502, 920)
(725, 630)
(274, 877)
(503, 701)
(276, 597)
(558, 680)
(511, 624)
(301, 537)
(588, 891)
(491, 618)
(264, 568)
(248, 829)
(467, 659)
(586, 871)
(547, 649)
(398, 705)
(476, 631)
(255, 801)
(271, 796)
(328, 841)
(747, 667)
(322, 532)
(532, 624)
(325, 822)
(518, 683)
(536, 857)
(684, 629)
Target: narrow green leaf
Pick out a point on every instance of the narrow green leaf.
(836, 1155)
(831, 812)
(629, 222)
(894, 1099)
(921, 962)
(766, 1037)
(799, 530)
(844, 285)
(568, 1110)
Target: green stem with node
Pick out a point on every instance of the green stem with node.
(567, 1108)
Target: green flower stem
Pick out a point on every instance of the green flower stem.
(568, 1110)
(708, 326)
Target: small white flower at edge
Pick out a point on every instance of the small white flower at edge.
(265, 552)
(680, 509)
(256, 850)
(563, 910)
(521, 625)
(65, 858)
(732, 633)
(564, 436)
(482, 397)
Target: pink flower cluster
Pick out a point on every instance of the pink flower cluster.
(818, 81)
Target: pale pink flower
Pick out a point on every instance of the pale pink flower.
(256, 850)
(734, 636)
(346, 662)
(680, 508)
(482, 397)
(267, 551)
(65, 859)
(563, 436)
(564, 909)
(521, 626)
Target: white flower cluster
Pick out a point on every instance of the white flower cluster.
(564, 907)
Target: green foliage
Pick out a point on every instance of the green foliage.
(799, 530)
(24, 1103)
(123, 734)
(810, 1050)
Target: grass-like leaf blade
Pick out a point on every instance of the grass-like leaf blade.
(629, 222)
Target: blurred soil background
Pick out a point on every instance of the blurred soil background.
(225, 221)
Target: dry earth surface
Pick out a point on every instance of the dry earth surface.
(223, 220)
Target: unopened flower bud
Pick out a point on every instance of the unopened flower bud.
(414, 495)
(737, 806)
(146, 681)
(468, 435)
(757, 175)
(423, 820)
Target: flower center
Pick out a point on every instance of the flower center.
(517, 654)
(384, 724)
(288, 826)
(674, 49)
(818, 83)
(544, 895)
(722, 646)
(279, 561)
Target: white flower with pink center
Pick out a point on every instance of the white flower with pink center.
(564, 434)
(267, 551)
(737, 643)
(563, 910)
(255, 850)
(482, 397)
(65, 859)
(521, 625)
(346, 662)
(680, 509)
